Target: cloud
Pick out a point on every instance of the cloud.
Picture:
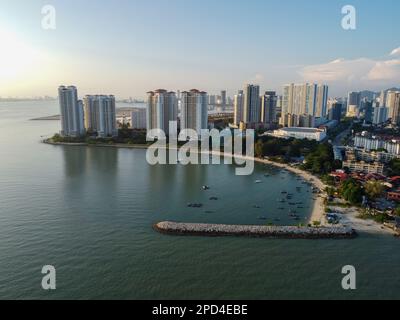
(359, 73)
(385, 71)
(338, 70)
(395, 52)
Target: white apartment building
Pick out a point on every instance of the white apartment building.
(162, 107)
(238, 108)
(100, 115)
(194, 111)
(72, 117)
(310, 99)
(376, 143)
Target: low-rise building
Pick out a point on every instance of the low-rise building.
(354, 163)
(393, 196)
(371, 142)
(366, 167)
(300, 133)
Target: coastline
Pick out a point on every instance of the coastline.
(349, 218)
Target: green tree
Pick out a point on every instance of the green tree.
(351, 191)
(394, 167)
(374, 189)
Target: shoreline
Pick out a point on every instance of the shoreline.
(318, 212)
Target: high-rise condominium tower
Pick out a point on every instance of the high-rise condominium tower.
(391, 102)
(396, 108)
(71, 112)
(223, 98)
(138, 119)
(100, 115)
(321, 101)
(382, 98)
(162, 107)
(309, 99)
(238, 108)
(194, 112)
(353, 104)
(251, 104)
(380, 114)
(334, 110)
(268, 107)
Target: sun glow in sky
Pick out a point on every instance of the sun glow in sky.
(16, 58)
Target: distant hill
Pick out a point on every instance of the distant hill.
(370, 95)
(393, 89)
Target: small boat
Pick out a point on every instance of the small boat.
(257, 181)
(256, 207)
(195, 205)
(206, 188)
(213, 198)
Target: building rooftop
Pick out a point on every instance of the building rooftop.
(305, 130)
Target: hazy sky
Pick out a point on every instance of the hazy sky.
(127, 48)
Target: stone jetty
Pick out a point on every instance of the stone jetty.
(289, 232)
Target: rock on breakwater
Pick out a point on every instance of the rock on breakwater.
(288, 232)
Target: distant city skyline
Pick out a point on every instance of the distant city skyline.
(116, 48)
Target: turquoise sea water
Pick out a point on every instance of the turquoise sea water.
(89, 212)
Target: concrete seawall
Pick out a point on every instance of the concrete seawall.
(290, 232)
